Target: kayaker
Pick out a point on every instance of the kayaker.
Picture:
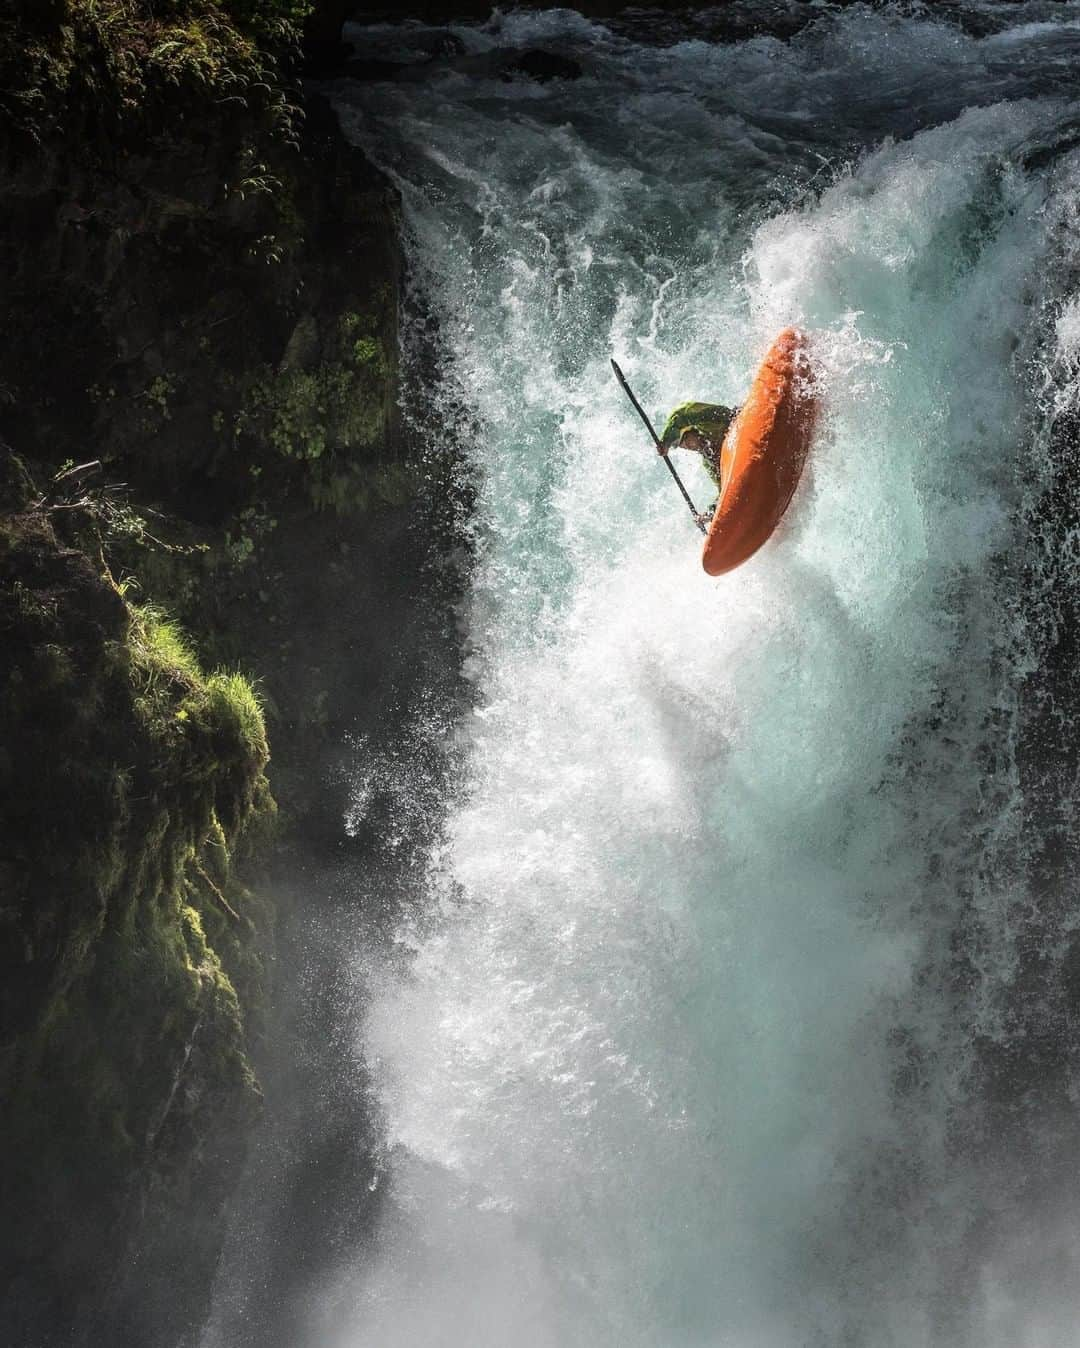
(700, 428)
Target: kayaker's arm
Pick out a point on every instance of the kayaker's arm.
(696, 443)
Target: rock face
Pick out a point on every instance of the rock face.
(220, 316)
(127, 777)
(200, 286)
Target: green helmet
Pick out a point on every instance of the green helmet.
(709, 419)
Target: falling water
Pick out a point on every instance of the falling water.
(697, 1030)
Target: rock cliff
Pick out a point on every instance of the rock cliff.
(198, 385)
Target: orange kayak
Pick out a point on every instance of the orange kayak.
(763, 454)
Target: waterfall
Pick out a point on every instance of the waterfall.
(697, 1031)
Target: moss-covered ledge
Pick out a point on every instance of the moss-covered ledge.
(127, 779)
(200, 283)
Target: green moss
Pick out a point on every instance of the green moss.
(169, 684)
(234, 703)
(159, 648)
(129, 1040)
(329, 417)
(191, 239)
(368, 352)
(120, 54)
(306, 414)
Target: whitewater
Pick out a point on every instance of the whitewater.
(697, 1034)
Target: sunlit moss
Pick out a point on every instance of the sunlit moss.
(159, 646)
(234, 702)
(142, 959)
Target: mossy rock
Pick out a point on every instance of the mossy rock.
(128, 779)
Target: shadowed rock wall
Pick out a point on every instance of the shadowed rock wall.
(200, 283)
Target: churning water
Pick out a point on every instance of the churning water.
(741, 1006)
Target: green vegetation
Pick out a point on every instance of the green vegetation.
(212, 316)
(263, 365)
(328, 414)
(117, 57)
(129, 780)
(160, 649)
(232, 702)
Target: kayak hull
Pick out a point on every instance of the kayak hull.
(763, 455)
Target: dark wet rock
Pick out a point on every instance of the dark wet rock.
(448, 44)
(129, 976)
(17, 488)
(540, 65)
(200, 290)
(323, 46)
(374, 71)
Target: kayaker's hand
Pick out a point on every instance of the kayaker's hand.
(704, 520)
(662, 450)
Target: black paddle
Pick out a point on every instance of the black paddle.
(657, 441)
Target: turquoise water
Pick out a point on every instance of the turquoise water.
(690, 920)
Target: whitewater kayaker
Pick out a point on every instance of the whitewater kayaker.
(700, 428)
